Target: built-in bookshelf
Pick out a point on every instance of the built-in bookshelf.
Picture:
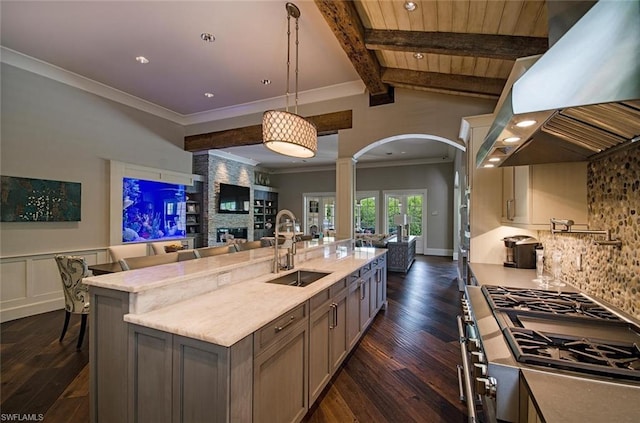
(265, 208)
(193, 222)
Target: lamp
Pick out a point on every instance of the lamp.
(289, 133)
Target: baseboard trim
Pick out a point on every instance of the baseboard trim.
(26, 310)
(438, 252)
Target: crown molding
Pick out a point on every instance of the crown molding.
(317, 95)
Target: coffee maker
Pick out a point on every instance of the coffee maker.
(520, 251)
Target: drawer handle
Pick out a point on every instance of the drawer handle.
(279, 328)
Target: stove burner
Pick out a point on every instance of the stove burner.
(575, 353)
(542, 301)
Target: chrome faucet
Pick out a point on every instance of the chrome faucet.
(291, 251)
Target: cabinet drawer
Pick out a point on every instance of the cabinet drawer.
(337, 287)
(278, 328)
(319, 299)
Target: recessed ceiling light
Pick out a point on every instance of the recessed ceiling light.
(418, 56)
(511, 139)
(410, 6)
(489, 165)
(265, 82)
(208, 95)
(142, 60)
(494, 159)
(526, 123)
(209, 38)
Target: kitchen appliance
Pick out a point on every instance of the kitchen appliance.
(520, 251)
(593, 72)
(560, 332)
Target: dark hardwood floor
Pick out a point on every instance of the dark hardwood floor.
(403, 369)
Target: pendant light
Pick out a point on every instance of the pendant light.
(289, 133)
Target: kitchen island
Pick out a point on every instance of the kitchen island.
(533, 393)
(210, 338)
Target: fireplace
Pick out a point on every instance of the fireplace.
(236, 232)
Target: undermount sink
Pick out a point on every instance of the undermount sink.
(300, 278)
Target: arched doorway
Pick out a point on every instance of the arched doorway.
(399, 194)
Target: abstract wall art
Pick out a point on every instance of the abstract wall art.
(39, 200)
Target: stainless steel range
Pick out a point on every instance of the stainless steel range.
(508, 329)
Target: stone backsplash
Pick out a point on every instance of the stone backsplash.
(607, 272)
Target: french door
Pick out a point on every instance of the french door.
(319, 212)
(412, 203)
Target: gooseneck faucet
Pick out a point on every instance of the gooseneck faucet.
(291, 251)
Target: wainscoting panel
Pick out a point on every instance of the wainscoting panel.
(31, 284)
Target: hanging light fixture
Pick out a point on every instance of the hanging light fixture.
(289, 133)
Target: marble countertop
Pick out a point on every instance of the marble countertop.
(564, 399)
(229, 314)
(158, 276)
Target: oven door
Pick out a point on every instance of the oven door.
(477, 389)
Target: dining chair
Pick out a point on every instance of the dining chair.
(118, 252)
(249, 245)
(76, 294)
(131, 263)
(185, 255)
(215, 251)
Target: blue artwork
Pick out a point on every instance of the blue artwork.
(152, 210)
(39, 200)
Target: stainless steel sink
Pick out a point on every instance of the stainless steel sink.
(300, 278)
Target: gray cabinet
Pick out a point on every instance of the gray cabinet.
(108, 340)
(176, 379)
(149, 375)
(280, 371)
(353, 309)
(327, 336)
(380, 281)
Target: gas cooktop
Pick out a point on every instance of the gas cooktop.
(565, 330)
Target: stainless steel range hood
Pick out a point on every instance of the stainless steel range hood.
(583, 94)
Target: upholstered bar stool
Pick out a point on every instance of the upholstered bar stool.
(118, 252)
(131, 263)
(76, 294)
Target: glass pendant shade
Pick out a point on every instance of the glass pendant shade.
(289, 134)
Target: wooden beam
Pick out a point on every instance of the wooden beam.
(444, 81)
(326, 124)
(343, 19)
(456, 44)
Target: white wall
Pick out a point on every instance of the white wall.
(53, 131)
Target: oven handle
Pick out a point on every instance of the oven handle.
(460, 383)
(471, 407)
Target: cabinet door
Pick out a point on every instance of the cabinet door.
(353, 312)
(338, 333)
(319, 350)
(150, 375)
(280, 378)
(200, 375)
(534, 194)
(364, 292)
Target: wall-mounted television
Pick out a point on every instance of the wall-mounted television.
(152, 210)
(233, 199)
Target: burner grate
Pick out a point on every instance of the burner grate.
(542, 301)
(575, 353)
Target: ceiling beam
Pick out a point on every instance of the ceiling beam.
(326, 124)
(343, 19)
(493, 46)
(491, 87)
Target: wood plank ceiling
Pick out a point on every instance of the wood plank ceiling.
(467, 47)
